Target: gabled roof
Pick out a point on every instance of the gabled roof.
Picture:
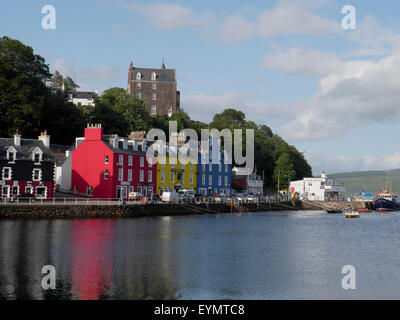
(166, 75)
(24, 151)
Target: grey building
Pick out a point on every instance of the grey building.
(156, 87)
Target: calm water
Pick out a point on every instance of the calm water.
(270, 255)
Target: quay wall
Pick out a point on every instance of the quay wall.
(147, 210)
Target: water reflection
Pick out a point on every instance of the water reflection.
(227, 256)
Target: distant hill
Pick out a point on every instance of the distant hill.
(371, 181)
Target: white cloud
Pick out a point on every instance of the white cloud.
(341, 163)
(300, 61)
(88, 77)
(168, 16)
(294, 17)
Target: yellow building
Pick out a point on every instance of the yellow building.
(173, 175)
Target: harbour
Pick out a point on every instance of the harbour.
(263, 255)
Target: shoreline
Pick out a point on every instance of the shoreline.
(51, 211)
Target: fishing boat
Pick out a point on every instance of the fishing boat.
(364, 210)
(385, 200)
(353, 214)
(334, 211)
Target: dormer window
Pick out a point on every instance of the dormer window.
(138, 76)
(37, 155)
(11, 154)
(153, 76)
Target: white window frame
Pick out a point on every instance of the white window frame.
(162, 178)
(191, 178)
(121, 160)
(154, 110)
(226, 168)
(219, 181)
(172, 177)
(150, 162)
(39, 175)
(130, 161)
(153, 76)
(106, 159)
(141, 162)
(45, 192)
(219, 167)
(203, 179)
(29, 188)
(150, 176)
(129, 174)
(226, 180)
(131, 189)
(154, 96)
(154, 86)
(138, 76)
(141, 175)
(106, 174)
(120, 174)
(9, 173)
(210, 180)
(11, 151)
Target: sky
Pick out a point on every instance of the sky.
(332, 92)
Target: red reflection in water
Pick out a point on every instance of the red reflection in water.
(91, 258)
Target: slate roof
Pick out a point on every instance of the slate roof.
(82, 94)
(56, 152)
(166, 75)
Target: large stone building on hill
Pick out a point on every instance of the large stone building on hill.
(156, 87)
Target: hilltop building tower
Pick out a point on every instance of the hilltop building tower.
(156, 87)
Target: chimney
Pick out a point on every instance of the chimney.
(17, 138)
(129, 89)
(93, 132)
(44, 138)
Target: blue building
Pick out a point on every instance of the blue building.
(213, 174)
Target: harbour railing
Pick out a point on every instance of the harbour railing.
(118, 202)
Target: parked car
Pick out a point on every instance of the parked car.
(186, 194)
(168, 196)
(26, 197)
(135, 196)
(155, 198)
(240, 197)
(252, 198)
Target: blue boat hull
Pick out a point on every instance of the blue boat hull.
(385, 205)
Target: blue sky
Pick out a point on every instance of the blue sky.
(332, 93)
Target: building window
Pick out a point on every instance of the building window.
(210, 180)
(36, 157)
(41, 192)
(121, 174)
(105, 174)
(138, 76)
(89, 190)
(106, 159)
(6, 173)
(138, 85)
(129, 174)
(203, 179)
(11, 156)
(191, 165)
(154, 86)
(153, 76)
(141, 175)
(162, 180)
(219, 180)
(219, 167)
(139, 189)
(226, 168)
(150, 176)
(210, 167)
(139, 95)
(141, 161)
(191, 178)
(130, 160)
(226, 180)
(203, 167)
(169, 110)
(150, 162)
(172, 177)
(183, 166)
(36, 175)
(29, 190)
(15, 191)
(153, 96)
(121, 160)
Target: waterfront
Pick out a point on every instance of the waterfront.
(264, 255)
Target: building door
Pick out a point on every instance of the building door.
(15, 191)
(6, 191)
(145, 191)
(119, 193)
(125, 192)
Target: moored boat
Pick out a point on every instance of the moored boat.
(385, 201)
(364, 210)
(353, 214)
(334, 211)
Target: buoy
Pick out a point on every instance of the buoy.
(144, 200)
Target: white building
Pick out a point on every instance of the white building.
(318, 189)
(82, 98)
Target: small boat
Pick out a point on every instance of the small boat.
(353, 214)
(334, 211)
(364, 210)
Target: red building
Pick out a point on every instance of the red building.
(108, 166)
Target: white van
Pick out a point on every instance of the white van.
(168, 196)
(186, 194)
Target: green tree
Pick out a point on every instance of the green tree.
(57, 80)
(23, 75)
(284, 171)
(70, 85)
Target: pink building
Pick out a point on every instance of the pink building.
(108, 166)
